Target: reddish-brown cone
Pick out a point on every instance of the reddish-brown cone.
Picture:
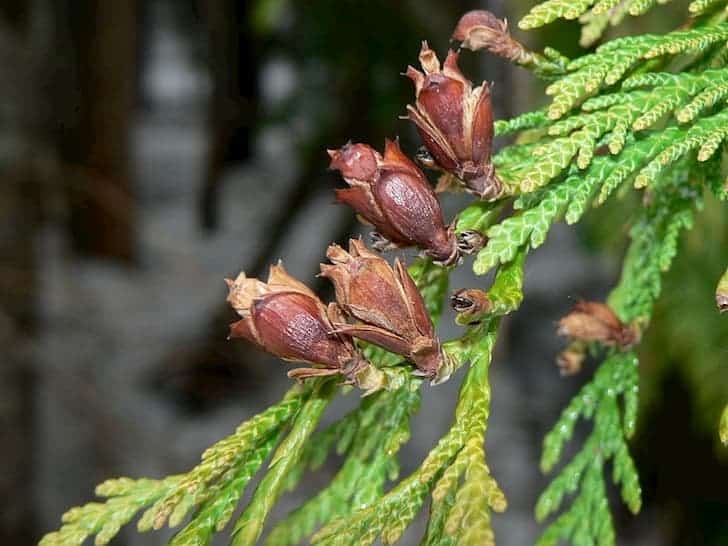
(480, 29)
(455, 122)
(387, 304)
(593, 321)
(392, 194)
(285, 318)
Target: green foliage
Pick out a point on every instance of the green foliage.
(610, 63)
(466, 492)
(699, 7)
(612, 121)
(213, 486)
(588, 519)
(250, 524)
(126, 498)
(653, 247)
(724, 426)
(654, 244)
(390, 515)
(690, 349)
(371, 436)
(610, 136)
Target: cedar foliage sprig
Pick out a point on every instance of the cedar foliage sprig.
(641, 113)
(213, 486)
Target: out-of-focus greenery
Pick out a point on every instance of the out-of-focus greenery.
(686, 336)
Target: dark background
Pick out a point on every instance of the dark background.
(148, 149)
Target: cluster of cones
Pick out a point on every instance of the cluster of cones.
(378, 303)
(285, 318)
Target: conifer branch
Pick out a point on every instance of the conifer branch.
(641, 113)
(214, 485)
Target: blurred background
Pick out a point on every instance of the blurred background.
(150, 148)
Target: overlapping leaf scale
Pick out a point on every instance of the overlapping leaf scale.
(548, 11)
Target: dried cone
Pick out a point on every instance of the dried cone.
(592, 321)
(387, 304)
(455, 122)
(392, 194)
(285, 318)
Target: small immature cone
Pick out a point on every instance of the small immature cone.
(593, 321)
(480, 29)
(392, 194)
(455, 122)
(470, 304)
(285, 318)
(387, 304)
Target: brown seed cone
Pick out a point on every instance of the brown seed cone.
(386, 303)
(392, 194)
(455, 122)
(285, 318)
